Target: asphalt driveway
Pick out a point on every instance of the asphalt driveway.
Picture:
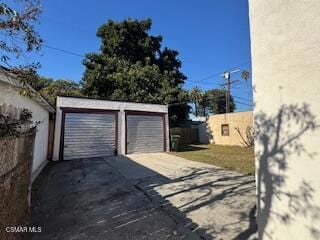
(143, 196)
(88, 199)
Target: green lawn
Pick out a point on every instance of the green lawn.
(230, 157)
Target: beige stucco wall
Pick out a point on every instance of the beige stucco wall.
(10, 95)
(241, 120)
(285, 45)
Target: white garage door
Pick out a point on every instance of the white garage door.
(145, 133)
(89, 135)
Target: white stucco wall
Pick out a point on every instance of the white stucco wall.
(10, 95)
(285, 45)
(109, 105)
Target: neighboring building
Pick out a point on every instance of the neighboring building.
(285, 44)
(223, 129)
(10, 89)
(95, 128)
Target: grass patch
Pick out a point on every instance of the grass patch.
(230, 157)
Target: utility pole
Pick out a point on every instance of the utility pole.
(227, 76)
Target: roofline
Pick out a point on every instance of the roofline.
(110, 100)
(219, 114)
(11, 79)
(231, 113)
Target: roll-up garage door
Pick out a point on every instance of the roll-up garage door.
(145, 133)
(89, 135)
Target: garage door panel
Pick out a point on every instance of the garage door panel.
(94, 134)
(88, 116)
(88, 123)
(85, 150)
(87, 142)
(145, 133)
(90, 144)
(89, 135)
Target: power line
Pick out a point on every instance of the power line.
(50, 47)
(243, 99)
(63, 50)
(247, 104)
(218, 74)
(83, 56)
(80, 29)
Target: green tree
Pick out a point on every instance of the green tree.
(196, 96)
(245, 75)
(132, 66)
(216, 101)
(39, 83)
(59, 88)
(208, 102)
(18, 35)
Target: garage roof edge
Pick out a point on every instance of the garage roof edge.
(110, 100)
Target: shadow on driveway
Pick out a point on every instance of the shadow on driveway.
(210, 201)
(89, 199)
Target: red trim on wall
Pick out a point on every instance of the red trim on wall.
(117, 131)
(63, 116)
(145, 113)
(164, 133)
(126, 133)
(85, 110)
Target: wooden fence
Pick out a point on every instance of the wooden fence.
(51, 136)
(187, 135)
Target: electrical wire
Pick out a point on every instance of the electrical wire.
(247, 104)
(218, 73)
(203, 79)
(243, 99)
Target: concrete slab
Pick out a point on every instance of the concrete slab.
(213, 202)
(89, 199)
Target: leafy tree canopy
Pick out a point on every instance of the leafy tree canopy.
(215, 101)
(50, 88)
(132, 66)
(196, 96)
(211, 101)
(39, 83)
(18, 35)
(60, 88)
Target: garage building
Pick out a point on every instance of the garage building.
(96, 128)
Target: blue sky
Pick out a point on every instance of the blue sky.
(210, 35)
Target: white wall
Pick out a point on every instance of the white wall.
(109, 105)
(285, 44)
(10, 95)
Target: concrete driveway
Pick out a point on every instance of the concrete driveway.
(213, 202)
(143, 196)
